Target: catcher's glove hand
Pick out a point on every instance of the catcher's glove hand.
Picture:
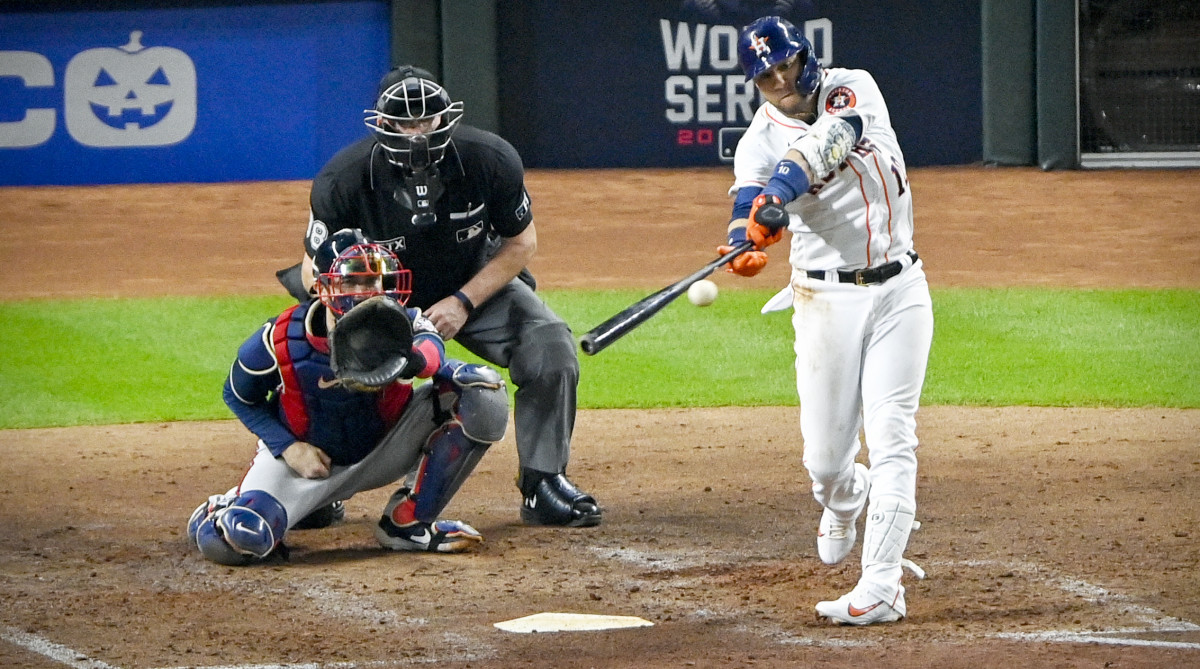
(371, 345)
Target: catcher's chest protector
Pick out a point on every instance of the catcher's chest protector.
(345, 424)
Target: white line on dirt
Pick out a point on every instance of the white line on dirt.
(54, 651)
(1155, 621)
(1095, 637)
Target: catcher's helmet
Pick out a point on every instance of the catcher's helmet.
(360, 272)
(332, 247)
(413, 118)
(771, 40)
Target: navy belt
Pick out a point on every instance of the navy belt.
(865, 277)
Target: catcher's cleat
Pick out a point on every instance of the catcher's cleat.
(551, 499)
(440, 536)
(836, 535)
(325, 516)
(861, 607)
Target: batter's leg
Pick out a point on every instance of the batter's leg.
(894, 366)
(893, 374)
(828, 321)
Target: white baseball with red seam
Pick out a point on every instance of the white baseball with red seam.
(702, 293)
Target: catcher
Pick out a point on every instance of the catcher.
(327, 386)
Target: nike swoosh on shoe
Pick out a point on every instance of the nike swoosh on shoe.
(856, 612)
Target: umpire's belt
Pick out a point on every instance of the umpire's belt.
(865, 277)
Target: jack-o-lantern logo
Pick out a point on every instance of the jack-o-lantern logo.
(130, 96)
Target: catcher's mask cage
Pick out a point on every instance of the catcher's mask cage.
(361, 272)
(771, 40)
(413, 120)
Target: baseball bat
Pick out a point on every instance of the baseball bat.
(599, 337)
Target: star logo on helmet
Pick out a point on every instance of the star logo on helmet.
(759, 44)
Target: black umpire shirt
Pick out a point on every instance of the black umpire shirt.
(484, 196)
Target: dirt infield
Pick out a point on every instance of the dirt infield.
(1051, 537)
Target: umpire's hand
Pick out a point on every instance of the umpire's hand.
(307, 460)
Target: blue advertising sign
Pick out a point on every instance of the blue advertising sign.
(208, 94)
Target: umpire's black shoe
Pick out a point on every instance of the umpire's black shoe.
(551, 499)
(325, 516)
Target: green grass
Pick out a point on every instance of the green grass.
(115, 361)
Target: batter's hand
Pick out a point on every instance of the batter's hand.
(307, 460)
(448, 315)
(768, 212)
(762, 236)
(748, 264)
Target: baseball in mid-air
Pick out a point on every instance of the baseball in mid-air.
(702, 293)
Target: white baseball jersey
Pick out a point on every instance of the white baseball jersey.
(861, 350)
(861, 215)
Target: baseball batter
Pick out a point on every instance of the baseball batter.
(322, 440)
(821, 159)
(450, 201)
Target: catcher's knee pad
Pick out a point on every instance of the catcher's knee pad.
(450, 457)
(482, 403)
(246, 528)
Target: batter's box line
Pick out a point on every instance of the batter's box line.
(72, 658)
(1097, 637)
(1156, 621)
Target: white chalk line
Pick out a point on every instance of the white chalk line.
(1155, 622)
(54, 651)
(73, 658)
(328, 601)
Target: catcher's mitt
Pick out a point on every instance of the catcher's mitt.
(371, 344)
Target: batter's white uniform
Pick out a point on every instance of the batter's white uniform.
(861, 350)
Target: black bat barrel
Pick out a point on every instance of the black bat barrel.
(599, 337)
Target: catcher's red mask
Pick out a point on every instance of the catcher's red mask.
(361, 272)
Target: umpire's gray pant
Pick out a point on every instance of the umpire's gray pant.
(517, 331)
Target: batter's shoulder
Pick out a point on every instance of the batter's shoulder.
(839, 77)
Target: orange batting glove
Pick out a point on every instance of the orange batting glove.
(747, 264)
(768, 218)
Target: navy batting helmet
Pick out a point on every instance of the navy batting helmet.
(771, 40)
(413, 118)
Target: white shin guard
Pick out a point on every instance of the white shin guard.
(889, 522)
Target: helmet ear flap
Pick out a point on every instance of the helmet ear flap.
(809, 78)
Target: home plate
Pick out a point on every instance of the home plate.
(570, 622)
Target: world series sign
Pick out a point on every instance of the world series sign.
(707, 97)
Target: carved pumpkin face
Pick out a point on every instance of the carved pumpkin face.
(131, 96)
(128, 96)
